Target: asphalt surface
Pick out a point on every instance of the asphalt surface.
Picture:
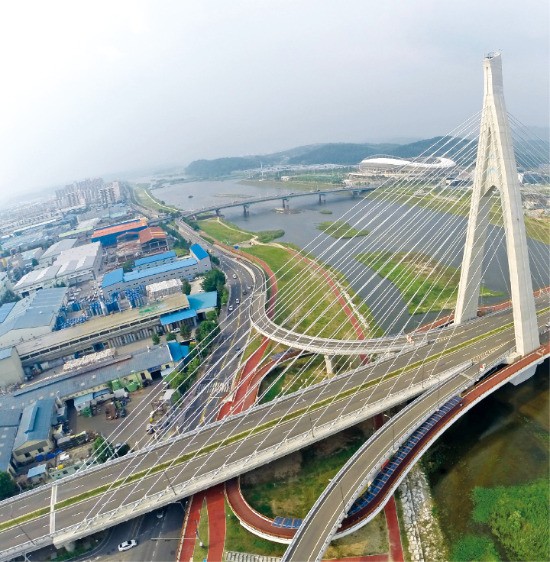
(200, 472)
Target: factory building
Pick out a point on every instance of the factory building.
(196, 264)
(55, 250)
(31, 317)
(34, 435)
(108, 236)
(71, 267)
(155, 260)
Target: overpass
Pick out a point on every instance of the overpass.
(284, 198)
(105, 495)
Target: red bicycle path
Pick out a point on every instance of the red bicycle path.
(244, 397)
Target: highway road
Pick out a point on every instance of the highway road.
(303, 418)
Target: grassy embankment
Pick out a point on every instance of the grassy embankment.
(200, 552)
(457, 202)
(231, 234)
(341, 229)
(518, 518)
(144, 198)
(289, 488)
(425, 284)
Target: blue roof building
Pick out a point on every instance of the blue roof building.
(203, 302)
(186, 268)
(154, 260)
(199, 252)
(34, 436)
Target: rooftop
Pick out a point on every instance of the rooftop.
(7, 440)
(177, 316)
(151, 233)
(38, 310)
(70, 384)
(198, 251)
(119, 228)
(103, 324)
(118, 275)
(203, 301)
(36, 422)
(58, 247)
(154, 258)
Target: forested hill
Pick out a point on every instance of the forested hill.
(330, 153)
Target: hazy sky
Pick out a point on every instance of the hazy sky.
(90, 88)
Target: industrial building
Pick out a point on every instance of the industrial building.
(55, 250)
(31, 317)
(34, 434)
(71, 266)
(155, 260)
(108, 236)
(188, 268)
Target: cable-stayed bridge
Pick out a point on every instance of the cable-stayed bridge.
(449, 361)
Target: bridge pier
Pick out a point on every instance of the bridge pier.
(329, 366)
(68, 546)
(322, 198)
(246, 210)
(286, 204)
(218, 213)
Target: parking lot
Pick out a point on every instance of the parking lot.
(131, 429)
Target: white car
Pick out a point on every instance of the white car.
(237, 301)
(127, 545)
(234, 276)
(230, 308)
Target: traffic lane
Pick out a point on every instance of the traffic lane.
(282, 408)
(217, 459)
(222, 429)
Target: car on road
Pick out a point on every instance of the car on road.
(237, 301)
(127, 545)
(230, 308)
(234, 276)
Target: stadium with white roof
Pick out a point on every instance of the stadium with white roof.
(391, 166)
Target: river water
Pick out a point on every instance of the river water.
(420, 230)
(503, 441)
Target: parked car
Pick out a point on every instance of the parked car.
(127, 545)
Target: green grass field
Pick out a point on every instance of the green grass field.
(230, 234)
(425, 284)
(316, 307)
(340, 229)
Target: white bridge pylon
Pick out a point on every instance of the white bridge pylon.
(496, 170)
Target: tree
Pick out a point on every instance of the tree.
(212, 316)
(170, 336)
(185, 332)
(7, 486)
(214, 280)
(103, 450)
(9, 296)
(156, 339)
(34, 262)
(206, 332)
(186, 287)
(128, 266)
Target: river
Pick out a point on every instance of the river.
(428, 234)
(503, 441)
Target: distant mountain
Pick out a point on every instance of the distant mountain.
(345, 154)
